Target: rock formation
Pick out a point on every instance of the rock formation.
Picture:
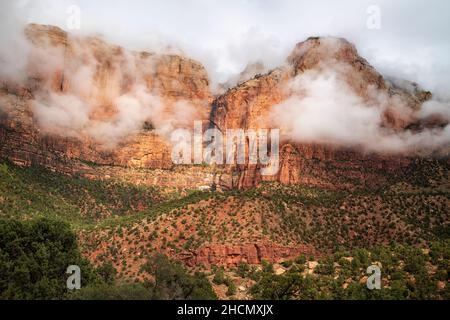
(130, 101)
(232, 256)
(99, 75)
(249, 104)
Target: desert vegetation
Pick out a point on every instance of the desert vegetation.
(122, 234)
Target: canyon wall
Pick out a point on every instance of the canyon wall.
(250, 106)
(110, 73)
(84, 102)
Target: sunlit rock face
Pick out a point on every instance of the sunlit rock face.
(233, 255)
(83, 99)
(250, 106)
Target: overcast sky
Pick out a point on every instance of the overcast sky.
(413, 40)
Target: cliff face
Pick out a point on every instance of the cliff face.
(248, 106)
(86, 101)
(232, 256)
(104, 91)
(116, 70)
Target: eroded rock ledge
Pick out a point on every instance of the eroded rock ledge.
(233, 255)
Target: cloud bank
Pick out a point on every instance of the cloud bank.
(324, 109)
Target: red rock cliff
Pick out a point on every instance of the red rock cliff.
(97, 75)
(248, 106)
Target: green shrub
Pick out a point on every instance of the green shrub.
(34, 256)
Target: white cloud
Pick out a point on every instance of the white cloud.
(227, 35)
